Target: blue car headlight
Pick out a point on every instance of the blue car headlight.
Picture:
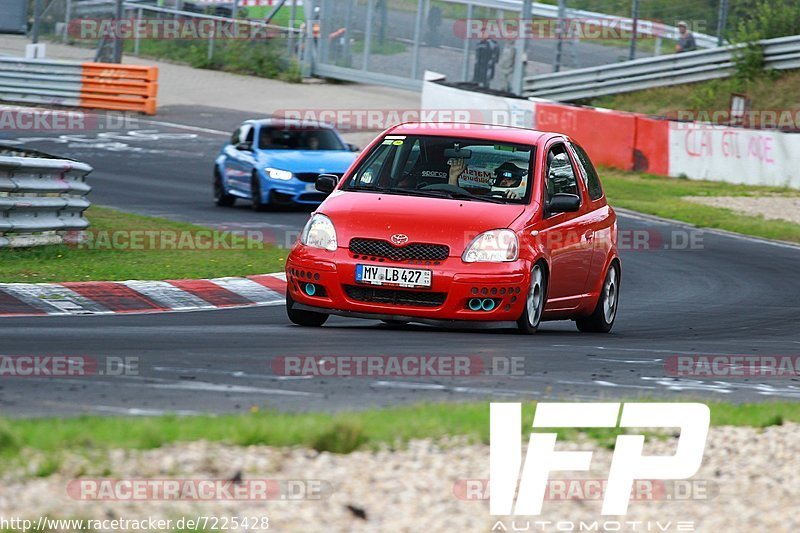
(278, 174)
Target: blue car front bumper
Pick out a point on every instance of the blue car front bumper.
(293, 191)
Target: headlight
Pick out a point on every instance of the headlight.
(319, 233)
(495, 246)
(278, 174)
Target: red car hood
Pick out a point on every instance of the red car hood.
(432, 220)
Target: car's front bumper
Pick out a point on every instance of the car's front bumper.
(292, 191)
(453, 284)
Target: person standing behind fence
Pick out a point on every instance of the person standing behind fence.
(686, 40)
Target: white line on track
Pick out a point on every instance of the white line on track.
(186, 127)
(733, 235)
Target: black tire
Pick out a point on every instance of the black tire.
(309, 319)
(255, 195)
(221, 198)
(605, 312)
(529, 321)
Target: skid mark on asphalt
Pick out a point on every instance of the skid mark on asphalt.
(231, 373)
(408, 385)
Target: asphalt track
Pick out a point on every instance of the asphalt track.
(723, 295)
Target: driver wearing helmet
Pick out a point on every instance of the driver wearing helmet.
(511, 179)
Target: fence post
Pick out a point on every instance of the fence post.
(635, 19)
(562, 14)
(368, 34)
(137, 37)
(519, 63)
(467, 41)
(417, 38)
(723, 16)
(67, 19)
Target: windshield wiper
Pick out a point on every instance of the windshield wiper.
(461, 196)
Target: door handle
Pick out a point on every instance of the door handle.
(589, 235)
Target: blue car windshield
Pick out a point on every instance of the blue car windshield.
(294, 138)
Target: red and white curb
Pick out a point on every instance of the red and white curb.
(111, 297)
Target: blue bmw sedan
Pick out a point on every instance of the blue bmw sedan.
(274, 162)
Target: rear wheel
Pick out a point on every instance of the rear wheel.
(534, 301)
(221, 198)
(602, 319)
(303, 318)
(255, 195)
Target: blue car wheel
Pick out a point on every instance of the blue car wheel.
(221, 196)
(256, 195)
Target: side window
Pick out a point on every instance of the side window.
(593, 180)
(371, 172)
(249, 137)
(235, 136)
(560, 176)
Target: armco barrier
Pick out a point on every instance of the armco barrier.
(40, 197)
(78, 84)
(673, 69)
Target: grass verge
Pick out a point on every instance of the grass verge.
(663, 197)
(101, 260)
(339, 433)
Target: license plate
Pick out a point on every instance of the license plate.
(399, 277)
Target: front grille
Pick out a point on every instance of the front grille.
(414, 251)
(395, 297)
(311, 177)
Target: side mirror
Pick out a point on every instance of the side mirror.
(326, 183)
(353, 147)
(563, 203)
(245, 147)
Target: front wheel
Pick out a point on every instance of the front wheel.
(303, 318)
(534, 301)
(255, 195)
(602, 319)
(221, 198)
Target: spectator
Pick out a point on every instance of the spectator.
(686, 40)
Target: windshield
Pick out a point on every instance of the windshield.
(295, 138)
(446, 167)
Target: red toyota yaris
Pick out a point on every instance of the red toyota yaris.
(456, 222)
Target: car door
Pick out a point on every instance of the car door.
(239, 159)
(566, 236)
(600, 217)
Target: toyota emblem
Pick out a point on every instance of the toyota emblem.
(399, 239)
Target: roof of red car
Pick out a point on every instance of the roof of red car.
(472, 131)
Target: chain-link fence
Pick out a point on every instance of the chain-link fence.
(493, 43)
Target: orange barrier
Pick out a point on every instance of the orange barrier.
(119, 87)
(608, 137)
(651, 145)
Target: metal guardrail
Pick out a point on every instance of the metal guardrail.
(780, 53)
(41, 197)
(76, 84)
